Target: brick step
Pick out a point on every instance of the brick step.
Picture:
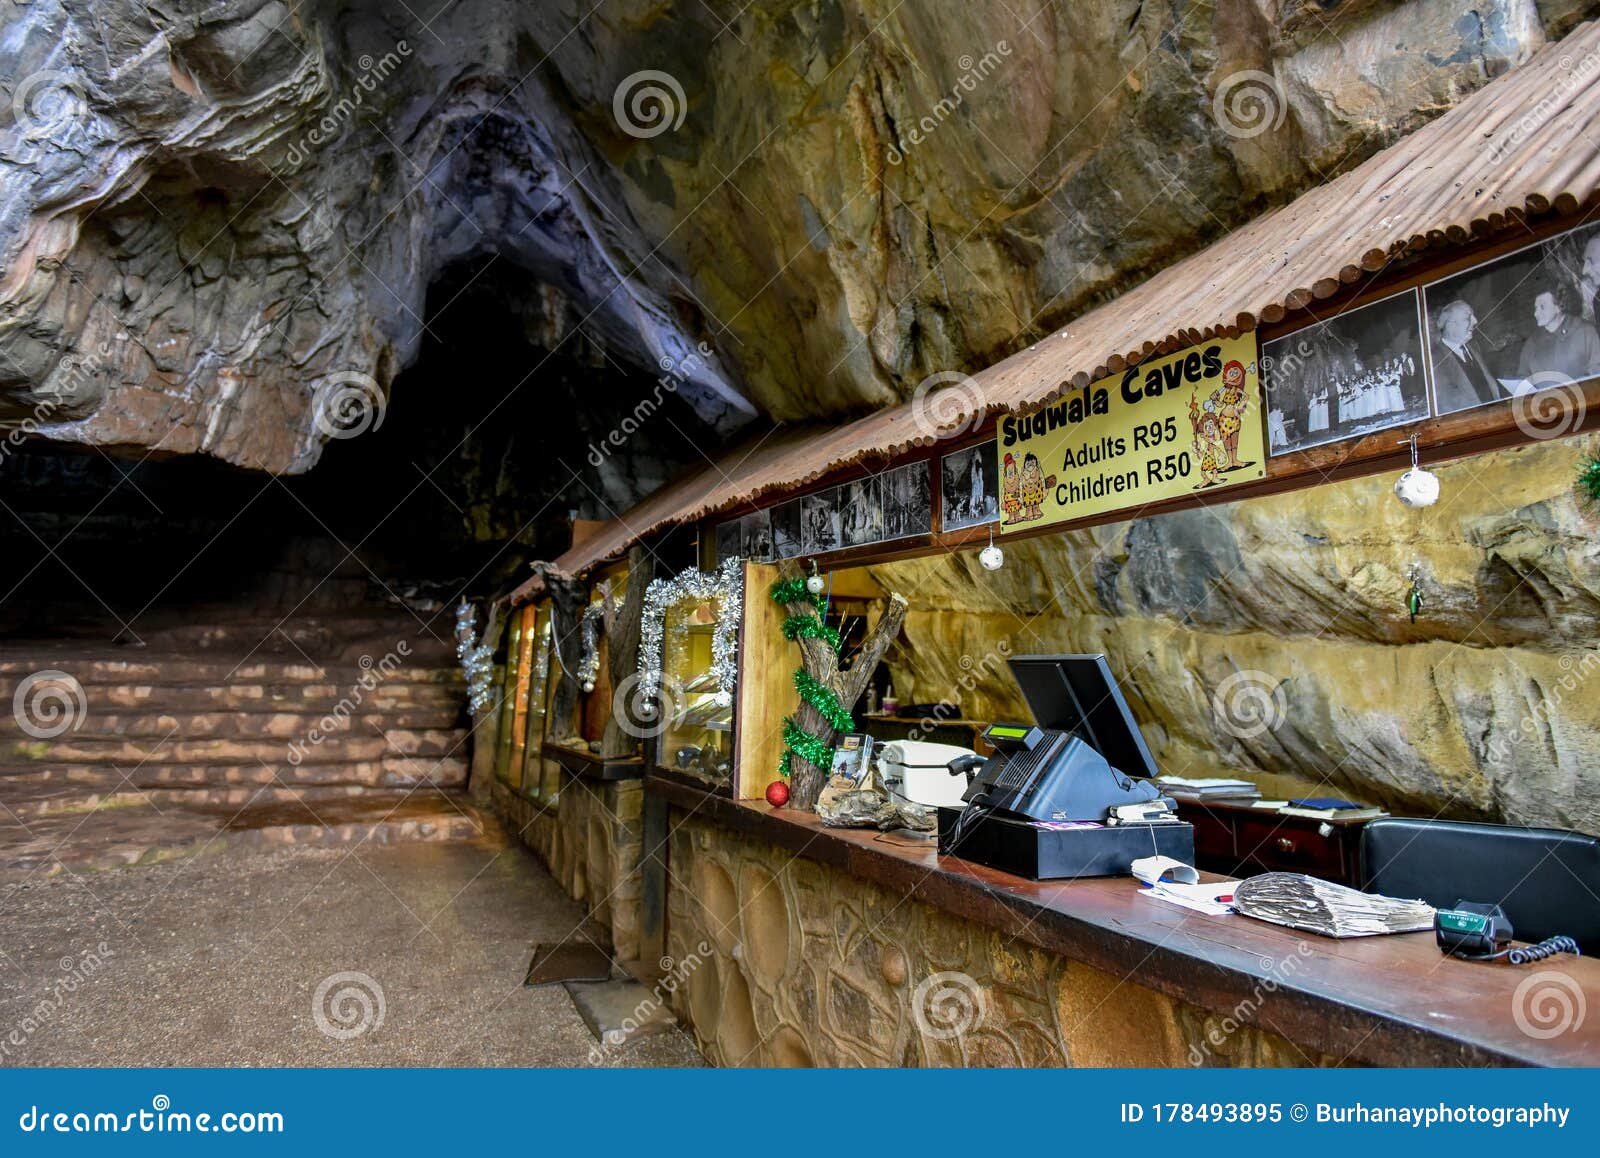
(92, 669)
(274, 725)
(72, 799)
(340, 748)
(263, 697)
(390, 772)
(114, 837)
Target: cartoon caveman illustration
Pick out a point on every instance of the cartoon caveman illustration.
(1035, 485)
(1010, 491)
(1208, 447)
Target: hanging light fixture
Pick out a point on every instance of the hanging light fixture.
(992, 558)
(1417, 487)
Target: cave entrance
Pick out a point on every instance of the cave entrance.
(505, 429)
(210, 648)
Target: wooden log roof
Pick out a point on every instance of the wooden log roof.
(1525, 145)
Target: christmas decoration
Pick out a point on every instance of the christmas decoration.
(777, 794)
(991, 558)
(824, 687)
(589, 637)
(726, 586)
(476, 661)
(796, 740)
(1414, 595)
(1589, 478)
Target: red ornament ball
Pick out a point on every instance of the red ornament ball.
(777, 794)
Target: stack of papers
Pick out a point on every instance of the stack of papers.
(1213, 899)
(1183, 788)
(1317, 906)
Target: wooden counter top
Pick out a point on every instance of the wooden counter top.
(1392, 1000)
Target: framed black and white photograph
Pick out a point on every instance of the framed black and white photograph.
(786, 530)
(907, 501)
(1347, 376)
(755, 536)
(730, 540)
(861, 512)
(820, 529)
(969, 488)
(1521, 323)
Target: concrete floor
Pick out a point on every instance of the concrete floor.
(217, 961)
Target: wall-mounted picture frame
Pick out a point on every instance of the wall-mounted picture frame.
(1521, 323)
(969, 488)
(786, 524)
(730, 539)
(861, 512)
(820, 525)
(755, 536)
(1347, 376)
(907, 499)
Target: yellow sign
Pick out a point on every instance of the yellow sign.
(1183, 424)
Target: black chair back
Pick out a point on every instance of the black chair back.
(1546, 879)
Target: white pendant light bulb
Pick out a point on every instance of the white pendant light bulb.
(1417, 487)
(991, 558)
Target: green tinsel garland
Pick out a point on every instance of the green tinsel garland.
(1589, 478)
(796, 740)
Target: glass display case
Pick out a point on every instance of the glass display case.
(697, 738)
(533, 701)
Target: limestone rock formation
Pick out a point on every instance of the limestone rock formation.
(219, 220)
(1271, 637)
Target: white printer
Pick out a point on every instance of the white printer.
(918, 771)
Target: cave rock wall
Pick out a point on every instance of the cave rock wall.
(1271, 637)
(216, 217)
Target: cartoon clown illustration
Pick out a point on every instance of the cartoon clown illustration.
(1035, 485)
(1010, 491)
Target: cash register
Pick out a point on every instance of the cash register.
(1070, 794)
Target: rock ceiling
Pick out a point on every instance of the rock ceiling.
(212, 212)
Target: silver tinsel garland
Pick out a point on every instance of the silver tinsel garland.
(589, 641)
(726, 586)
(476, 660)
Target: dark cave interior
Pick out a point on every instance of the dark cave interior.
(475, 466)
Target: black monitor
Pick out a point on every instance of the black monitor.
(1078, 694)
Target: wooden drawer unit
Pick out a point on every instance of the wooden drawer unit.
(1242, 841)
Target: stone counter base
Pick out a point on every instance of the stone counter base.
(779, 960)
(590, 837)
